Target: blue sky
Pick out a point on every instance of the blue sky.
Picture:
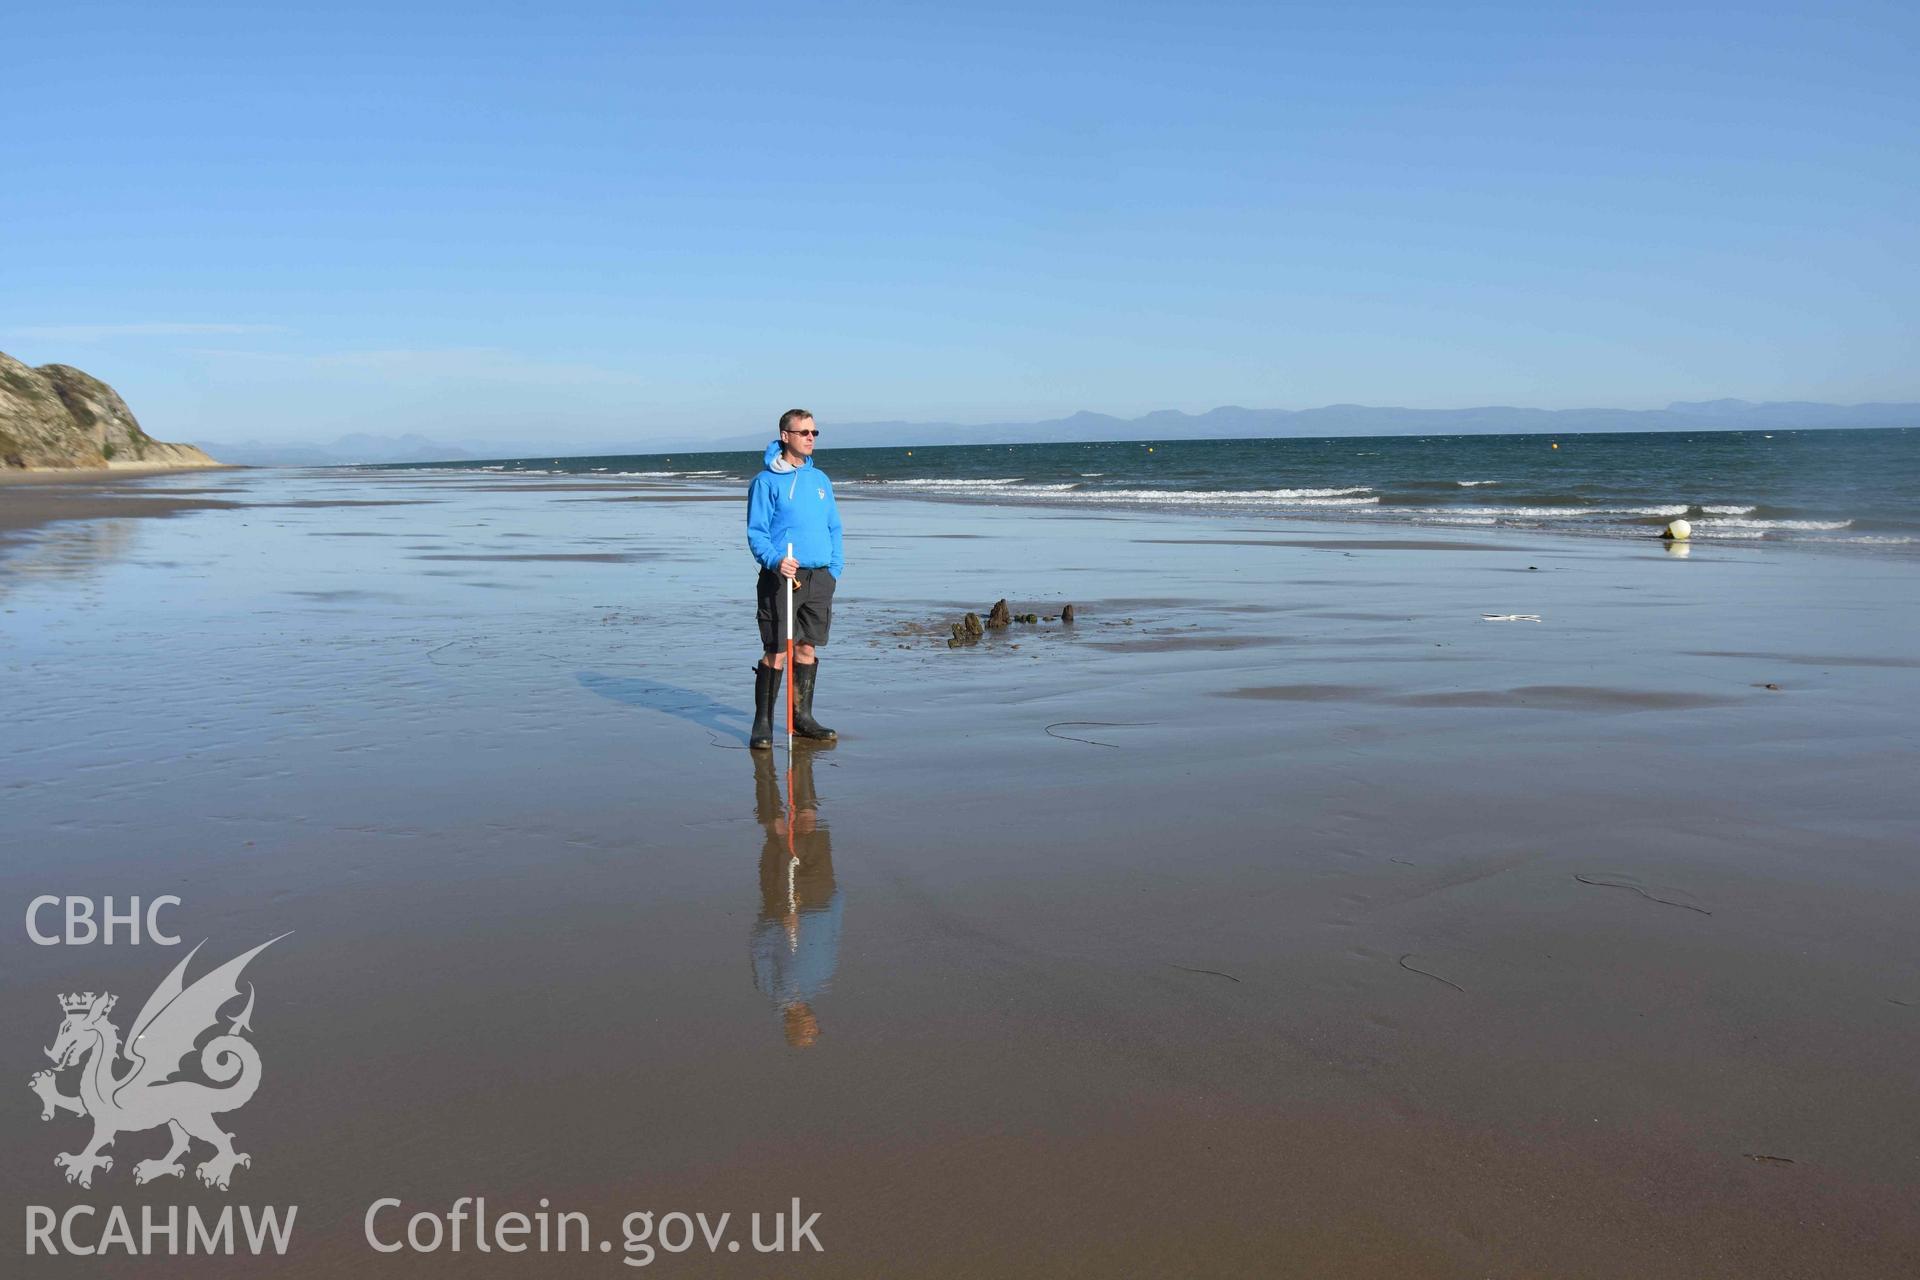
(605, 221)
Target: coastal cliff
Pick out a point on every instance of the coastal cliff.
(58, 418)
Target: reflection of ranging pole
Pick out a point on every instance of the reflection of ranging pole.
(791, 582)
(793, 865)
(793, 861)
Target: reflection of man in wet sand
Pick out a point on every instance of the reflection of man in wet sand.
(796, 941)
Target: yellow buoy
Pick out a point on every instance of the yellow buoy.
(1556, 445)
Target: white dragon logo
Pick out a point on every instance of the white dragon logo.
(146, 1096)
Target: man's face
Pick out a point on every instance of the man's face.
(798, 439)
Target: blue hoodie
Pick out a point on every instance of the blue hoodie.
(794, 504)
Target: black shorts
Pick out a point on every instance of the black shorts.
(812, 608)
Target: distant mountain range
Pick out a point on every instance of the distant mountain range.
(1225, 423)
(358, 447)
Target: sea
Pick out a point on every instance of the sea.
(1852, 489)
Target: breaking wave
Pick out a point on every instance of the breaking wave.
(945, 484)
(1548, 513)
(1734, 522)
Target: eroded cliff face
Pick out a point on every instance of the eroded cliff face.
(57, 416)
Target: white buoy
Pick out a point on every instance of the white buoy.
(1679, 531)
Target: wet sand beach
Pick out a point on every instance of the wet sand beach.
(1280, 916)
(30, 499)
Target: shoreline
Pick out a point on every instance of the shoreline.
(1849, 491)
(1372, 518)
(113, 470)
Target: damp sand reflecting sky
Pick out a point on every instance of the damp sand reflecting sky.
(1146, 977)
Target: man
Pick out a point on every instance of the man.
(791, 503)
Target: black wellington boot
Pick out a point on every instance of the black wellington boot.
(804, 674)
(767, 801)
(766, 692)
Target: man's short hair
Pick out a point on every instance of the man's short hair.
(792, 416)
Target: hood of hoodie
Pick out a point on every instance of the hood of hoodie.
(779, 465)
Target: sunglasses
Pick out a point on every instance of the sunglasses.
(792, 432)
